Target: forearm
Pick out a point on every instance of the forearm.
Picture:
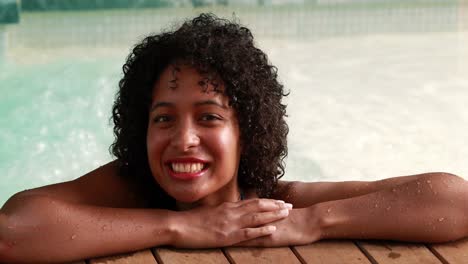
(430, 209)
(304, 194)
(47, 230)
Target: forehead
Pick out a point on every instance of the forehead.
(180, 80)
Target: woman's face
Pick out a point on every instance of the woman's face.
(193, 138)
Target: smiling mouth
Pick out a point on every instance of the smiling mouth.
(186, 170)
(187, 167)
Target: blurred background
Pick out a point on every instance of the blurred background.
(378, 88)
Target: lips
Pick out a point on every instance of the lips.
(186, 168)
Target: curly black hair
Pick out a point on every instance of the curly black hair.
(213, 46)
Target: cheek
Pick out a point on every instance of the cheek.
(227, 144)
(155, 144)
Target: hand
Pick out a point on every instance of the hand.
(228, 223)
(299, 228)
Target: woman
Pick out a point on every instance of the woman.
(200, 142)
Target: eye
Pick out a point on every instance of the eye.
(210, 117)
(162, 119)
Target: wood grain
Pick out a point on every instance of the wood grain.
(331, 252)
(144, 256)
(399, 253)
(261, 255)
(453, 252)
(183, 256)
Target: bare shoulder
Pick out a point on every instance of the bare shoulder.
(101, 187)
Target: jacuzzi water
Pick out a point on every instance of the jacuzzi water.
(363, 106)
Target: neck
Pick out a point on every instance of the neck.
(225, 194)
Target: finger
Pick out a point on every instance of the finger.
(263, 205)
(257, 219)
(251, 233)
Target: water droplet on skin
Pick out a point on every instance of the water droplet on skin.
(418, 183)
(393, 190)
(419, 191)
(104, 227)
(441, 219)
(329, 210)
(388, 208)
(376, 205)
(73, 237)
(428, 181)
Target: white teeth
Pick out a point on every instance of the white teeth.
(187, 167)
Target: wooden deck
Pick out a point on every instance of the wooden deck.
(332, 251)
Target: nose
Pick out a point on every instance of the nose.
(185, 137)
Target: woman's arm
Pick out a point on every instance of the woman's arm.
(430, 208)
(100, 214)
(304, 194)
(43, 229)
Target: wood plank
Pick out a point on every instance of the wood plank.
(386, 252)
(261, 255)
(452, 252)
(182, 256)
(331, 252)
(144, 256)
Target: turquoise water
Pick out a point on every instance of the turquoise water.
(54, 120)
(375, 91)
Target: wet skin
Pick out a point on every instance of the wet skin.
(193, 125)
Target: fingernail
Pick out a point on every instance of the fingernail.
(288, 205)
(271, 228)
(284, 212)
(279, 201)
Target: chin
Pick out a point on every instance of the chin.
(187, 196)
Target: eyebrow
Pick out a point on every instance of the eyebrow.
(160, 104)
(210, 102)
(200, 103)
